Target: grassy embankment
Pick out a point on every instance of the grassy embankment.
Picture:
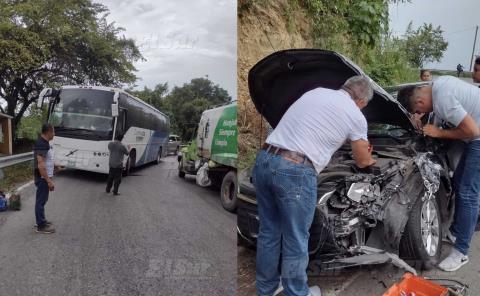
(16, 175)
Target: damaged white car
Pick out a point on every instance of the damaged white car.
(395, 209)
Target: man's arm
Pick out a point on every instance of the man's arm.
(362, 153)
(42, 168)
(126, 150)
(466, 130)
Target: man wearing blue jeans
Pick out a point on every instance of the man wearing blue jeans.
(457, 103)
(285, 178)
(43, 174)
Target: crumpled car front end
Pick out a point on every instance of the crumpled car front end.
(396, 207)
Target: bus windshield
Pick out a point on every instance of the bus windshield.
(84, 110)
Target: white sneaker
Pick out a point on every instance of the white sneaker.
(315, 291)
(450, 238)
(454, 261)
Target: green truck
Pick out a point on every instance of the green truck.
(212, 156)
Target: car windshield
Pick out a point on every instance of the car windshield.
(84, 109)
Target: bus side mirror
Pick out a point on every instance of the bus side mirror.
(114, 110)
(46, 92)
(115, 97)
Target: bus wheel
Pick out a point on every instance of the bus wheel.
(126, 171)
(130, 164)
(228, 191)
(159, 156)
(181, 173)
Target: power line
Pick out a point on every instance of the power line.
(460, 31)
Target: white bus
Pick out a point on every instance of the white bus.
(87, 118)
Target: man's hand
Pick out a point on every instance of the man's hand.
(466, 130)
(370, 148)
(51, 185)
(417, 120)
(58, 168)
(432, 131)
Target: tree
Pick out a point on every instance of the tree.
(425, 44)
(154, 97)
(184, 105)
(187, 103)
(47, 43)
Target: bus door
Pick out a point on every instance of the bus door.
(121, 128)
(53, 98)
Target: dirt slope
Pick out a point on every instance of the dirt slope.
(263, 27)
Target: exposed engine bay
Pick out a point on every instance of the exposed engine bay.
(369, 208)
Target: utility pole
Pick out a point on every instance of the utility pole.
(474, 43)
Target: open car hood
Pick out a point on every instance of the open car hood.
(281, 78)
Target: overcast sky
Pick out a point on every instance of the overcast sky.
(457, 18)
(181, 39)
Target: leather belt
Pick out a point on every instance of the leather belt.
(292, 156)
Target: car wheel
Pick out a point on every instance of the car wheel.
(242, 242)
(181, 173)
(422, 238)
(228, 191)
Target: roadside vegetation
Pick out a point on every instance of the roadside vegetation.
(184, 104)
(16, 175)
(51, 43)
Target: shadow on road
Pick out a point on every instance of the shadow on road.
(98, 177)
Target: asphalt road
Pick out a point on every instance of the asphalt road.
(162, 236)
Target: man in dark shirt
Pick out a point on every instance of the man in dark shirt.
(43, 172)
(117, 152)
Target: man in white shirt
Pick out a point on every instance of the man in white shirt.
(285, 178)
(457, 103)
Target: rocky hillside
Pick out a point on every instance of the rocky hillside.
(263, 27)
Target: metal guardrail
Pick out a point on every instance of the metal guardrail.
(7, 161)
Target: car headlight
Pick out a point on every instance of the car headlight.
(357, 190)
